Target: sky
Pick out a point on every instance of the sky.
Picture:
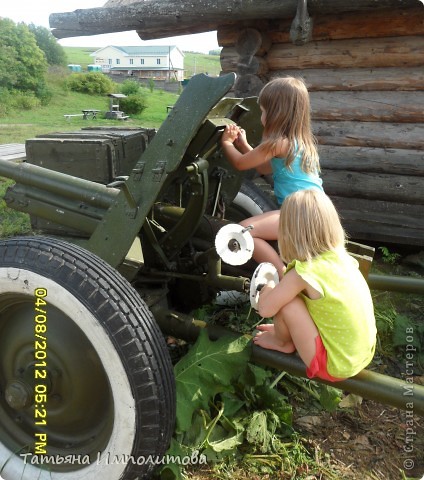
(38, 11)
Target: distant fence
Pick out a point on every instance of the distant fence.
(173, 87)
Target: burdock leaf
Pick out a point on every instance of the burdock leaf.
(209, 368)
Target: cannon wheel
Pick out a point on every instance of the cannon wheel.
(75, 332)
(251, 200)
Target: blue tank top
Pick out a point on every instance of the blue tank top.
(289, 180)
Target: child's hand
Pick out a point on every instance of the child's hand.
(241, 141)
(230, 134)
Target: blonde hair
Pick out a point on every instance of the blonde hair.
(287, 115)
(309, 226)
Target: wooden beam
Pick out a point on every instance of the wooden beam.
(251, 41)
(381, 79)
(374, 186)
(379, 23)
(149, 16)
(381, 52)
(371, 159)
(248, 85)
(368, 106)
(370, 134)
(381, 221)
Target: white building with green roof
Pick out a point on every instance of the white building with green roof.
(157, 62)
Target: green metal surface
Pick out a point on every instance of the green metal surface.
(58, 183)
(115, 234)
(61, 211)
(396, 283)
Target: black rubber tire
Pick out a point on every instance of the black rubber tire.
(251, 200)
(89, 296)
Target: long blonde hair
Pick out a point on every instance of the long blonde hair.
(287, 115)
(309, 226)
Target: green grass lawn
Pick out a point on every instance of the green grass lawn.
(20, 125)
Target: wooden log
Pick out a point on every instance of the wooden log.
(149, 16)
(368, 106)
(370, 134)
(374, 186)
(382, 79)
(251, 41)
(381, 221)
(381, 52)
(229, 59)
(378, 160)
(227, 34)
(248, 64)
(248, 86)
(385, 23)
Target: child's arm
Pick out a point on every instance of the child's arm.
(273, 298)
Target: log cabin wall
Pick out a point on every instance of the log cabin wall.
(365, 74)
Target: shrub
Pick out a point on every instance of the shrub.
(92, 82)
(24, 100)
(133, 104)
(44, 94)
(6, 100)
(130, 87)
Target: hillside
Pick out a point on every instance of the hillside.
(194, 62)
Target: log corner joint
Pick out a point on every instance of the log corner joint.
(301, 27)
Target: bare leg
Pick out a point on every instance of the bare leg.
(265, 227)
(294, 329)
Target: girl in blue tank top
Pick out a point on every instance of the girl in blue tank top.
(288, 151)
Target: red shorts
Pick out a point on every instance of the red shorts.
(318, 366)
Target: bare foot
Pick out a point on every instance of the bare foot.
(266, 327)
(266, 339)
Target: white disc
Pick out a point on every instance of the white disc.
(264, 273)
(234, 244)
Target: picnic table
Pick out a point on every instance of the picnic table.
(89, 113)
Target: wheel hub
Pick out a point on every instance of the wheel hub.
(19, 395)
(79, 406)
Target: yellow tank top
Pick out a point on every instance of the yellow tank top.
(344, 315)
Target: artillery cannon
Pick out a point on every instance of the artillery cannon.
(80, 308)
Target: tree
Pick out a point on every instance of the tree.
(55, 55)
(24, 65)
(8, 76)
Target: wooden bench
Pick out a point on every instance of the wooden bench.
(68, 116)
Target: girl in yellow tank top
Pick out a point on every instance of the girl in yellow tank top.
(322, 307)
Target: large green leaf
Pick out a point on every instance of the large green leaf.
(209, 368)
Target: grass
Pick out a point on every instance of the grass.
(80, 55)
(12, 222)
(201, 63)
(18, 126)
